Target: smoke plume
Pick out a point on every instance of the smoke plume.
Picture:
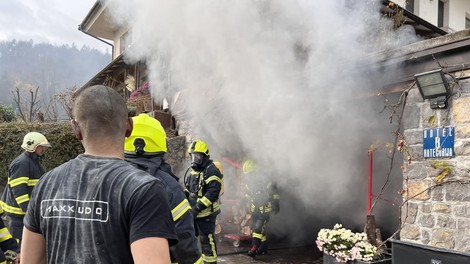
(281, 82)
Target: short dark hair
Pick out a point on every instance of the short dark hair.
(100, 111)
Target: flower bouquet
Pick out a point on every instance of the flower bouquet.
(345, 246)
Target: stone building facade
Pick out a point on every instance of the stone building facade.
(437, 213)
(176, 155)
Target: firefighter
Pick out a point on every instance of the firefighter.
(144, 149)
(23, 174)
(203, 187)
(9, 248)
(263, 198)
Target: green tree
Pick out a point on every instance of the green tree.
(7, 113)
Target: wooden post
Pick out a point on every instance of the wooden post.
(371, 230)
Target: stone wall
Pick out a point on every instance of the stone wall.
(176, 155)
(437, 214)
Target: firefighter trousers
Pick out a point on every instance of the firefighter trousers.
(206, 231)
(259, 228)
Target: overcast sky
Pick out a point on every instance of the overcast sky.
(49, 21)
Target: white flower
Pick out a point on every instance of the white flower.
(344, 245)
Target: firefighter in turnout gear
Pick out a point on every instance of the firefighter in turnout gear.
(9, 248)
(203, 187)
(144, 149)
(263, 198)
(23, 174)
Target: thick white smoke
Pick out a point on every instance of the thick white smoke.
(273, 80)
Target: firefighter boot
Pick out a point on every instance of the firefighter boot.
(263, 248)
(252, 252)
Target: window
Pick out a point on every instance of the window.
(467, 21)
(410, 5)
(440, 14)
(125, 42)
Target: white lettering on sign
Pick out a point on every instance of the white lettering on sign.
(77, 209)
(437, 142)
(438, 132)
(436, 153)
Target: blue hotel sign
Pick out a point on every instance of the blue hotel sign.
(438, 142)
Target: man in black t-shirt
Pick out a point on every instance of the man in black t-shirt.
(97, 208)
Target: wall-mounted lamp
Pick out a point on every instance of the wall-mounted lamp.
(433, 85)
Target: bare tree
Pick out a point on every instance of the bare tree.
(51, 113)
(66, 98)
(28, 104)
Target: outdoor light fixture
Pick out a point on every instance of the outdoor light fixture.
(433, 85)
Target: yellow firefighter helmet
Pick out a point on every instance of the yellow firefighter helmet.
(248, 166)
(149, 131)
(199, 146)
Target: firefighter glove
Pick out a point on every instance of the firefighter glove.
(197, 209)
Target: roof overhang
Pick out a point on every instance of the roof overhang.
(450, 52)
(109, 70)
(98, 22)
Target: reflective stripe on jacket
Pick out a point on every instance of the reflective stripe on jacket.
(23, 174)
(7, 242)
(204, 189)
(264, 196)
(186, 251)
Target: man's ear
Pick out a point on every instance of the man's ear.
(76, 129)
(130, 126)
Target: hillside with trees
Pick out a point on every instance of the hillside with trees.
(35, 78)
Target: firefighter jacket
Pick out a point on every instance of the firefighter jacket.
(203, 189)
(262, 194)
(23, 174)
(186, 251)
(7, 242)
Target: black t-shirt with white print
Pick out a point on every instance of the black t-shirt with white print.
(90, 210)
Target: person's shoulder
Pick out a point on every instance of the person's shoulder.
(127, 173)
(167, 179)
(213, 170)
(59, 170)
(19, 159)
(129, 168)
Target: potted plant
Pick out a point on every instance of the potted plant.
(140, 98)
(341, 245)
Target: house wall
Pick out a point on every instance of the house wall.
(117, 42)
(427, 10)
(454, 13)
(458, 9)
(437, 214)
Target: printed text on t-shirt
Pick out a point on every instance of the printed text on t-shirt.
(80, 210)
